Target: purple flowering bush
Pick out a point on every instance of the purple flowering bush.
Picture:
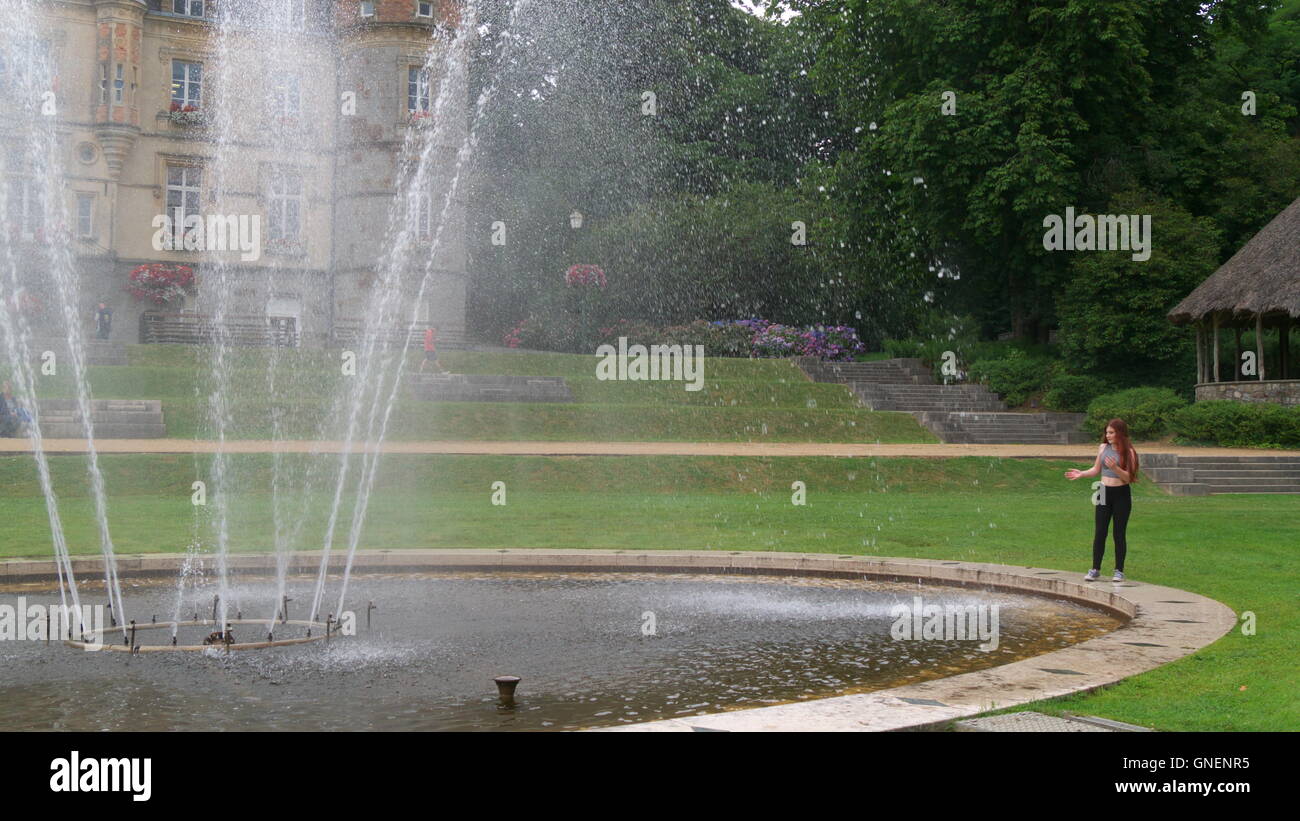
(836, 343)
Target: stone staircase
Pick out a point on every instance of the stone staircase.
(1203, 475)
(1006, 428)
(962, 413)
(112, 418)
(98, 352)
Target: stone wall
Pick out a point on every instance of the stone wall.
(1280, 391)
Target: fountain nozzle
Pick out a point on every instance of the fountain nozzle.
(506, 688)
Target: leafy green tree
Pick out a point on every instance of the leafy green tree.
(1113, 312)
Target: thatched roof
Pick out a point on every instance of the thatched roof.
(1262, 278)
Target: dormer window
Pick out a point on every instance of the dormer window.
(424, 8)
(366, 8)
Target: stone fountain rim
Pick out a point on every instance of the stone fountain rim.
(1163, 624)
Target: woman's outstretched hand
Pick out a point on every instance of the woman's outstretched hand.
(1073, 474)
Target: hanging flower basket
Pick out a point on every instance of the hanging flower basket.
(160, 283)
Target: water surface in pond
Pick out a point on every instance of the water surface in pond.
(593, 649)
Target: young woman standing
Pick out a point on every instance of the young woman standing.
(1117, 462)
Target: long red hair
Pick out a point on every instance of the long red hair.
(1124, 447)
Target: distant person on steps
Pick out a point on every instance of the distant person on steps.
(103, 321)
(431, 350)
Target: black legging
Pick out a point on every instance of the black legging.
(1117, 502)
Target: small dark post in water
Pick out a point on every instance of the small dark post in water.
(239, 615)
(284, 610)
(506, 689)
(270, 636)
(153, 619)
(369, 606)
(329, 621)
(215, 600)
(173, 641)
(132, 633)
(47, 624)
(227, 638)
(112, 619)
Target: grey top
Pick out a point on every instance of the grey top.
(1109, 453)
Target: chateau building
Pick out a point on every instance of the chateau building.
(322, 106)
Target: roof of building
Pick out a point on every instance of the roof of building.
(1261, 278)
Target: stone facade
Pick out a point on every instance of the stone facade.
(1280, 391)
(116, 64)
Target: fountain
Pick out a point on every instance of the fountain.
(731, 637)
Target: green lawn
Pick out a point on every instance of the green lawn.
(742, 401)
(1240, 550)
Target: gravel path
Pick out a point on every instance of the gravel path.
(1081, 452)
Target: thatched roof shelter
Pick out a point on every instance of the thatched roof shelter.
(1262, 278)
(1259, 289)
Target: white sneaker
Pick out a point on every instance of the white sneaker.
(1118, 577)
(1092, 576)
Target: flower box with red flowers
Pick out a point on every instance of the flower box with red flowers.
(185, 115)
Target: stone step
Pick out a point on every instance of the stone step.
(96, 352)
(1202, 463)
(106, 430)
(1205, 475)
(931, 407)
(146, 405)
(1281, 489)
(1186, 489)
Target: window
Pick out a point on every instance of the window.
(85, 216)
(103, 83)
(289, 13)
(184, 183)
(286, 96)
(284, 207)
(26, 210)
(190, 8)
(187, 83)
(420, 216)
(417, 89)
(424, 9)
(367, 8)
(119, 86)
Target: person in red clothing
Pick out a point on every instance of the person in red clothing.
(431, 350)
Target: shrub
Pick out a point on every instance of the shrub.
(1015, 378)
(1148, 411)
(1074, 392)
(1239, 424)
(938, 333)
